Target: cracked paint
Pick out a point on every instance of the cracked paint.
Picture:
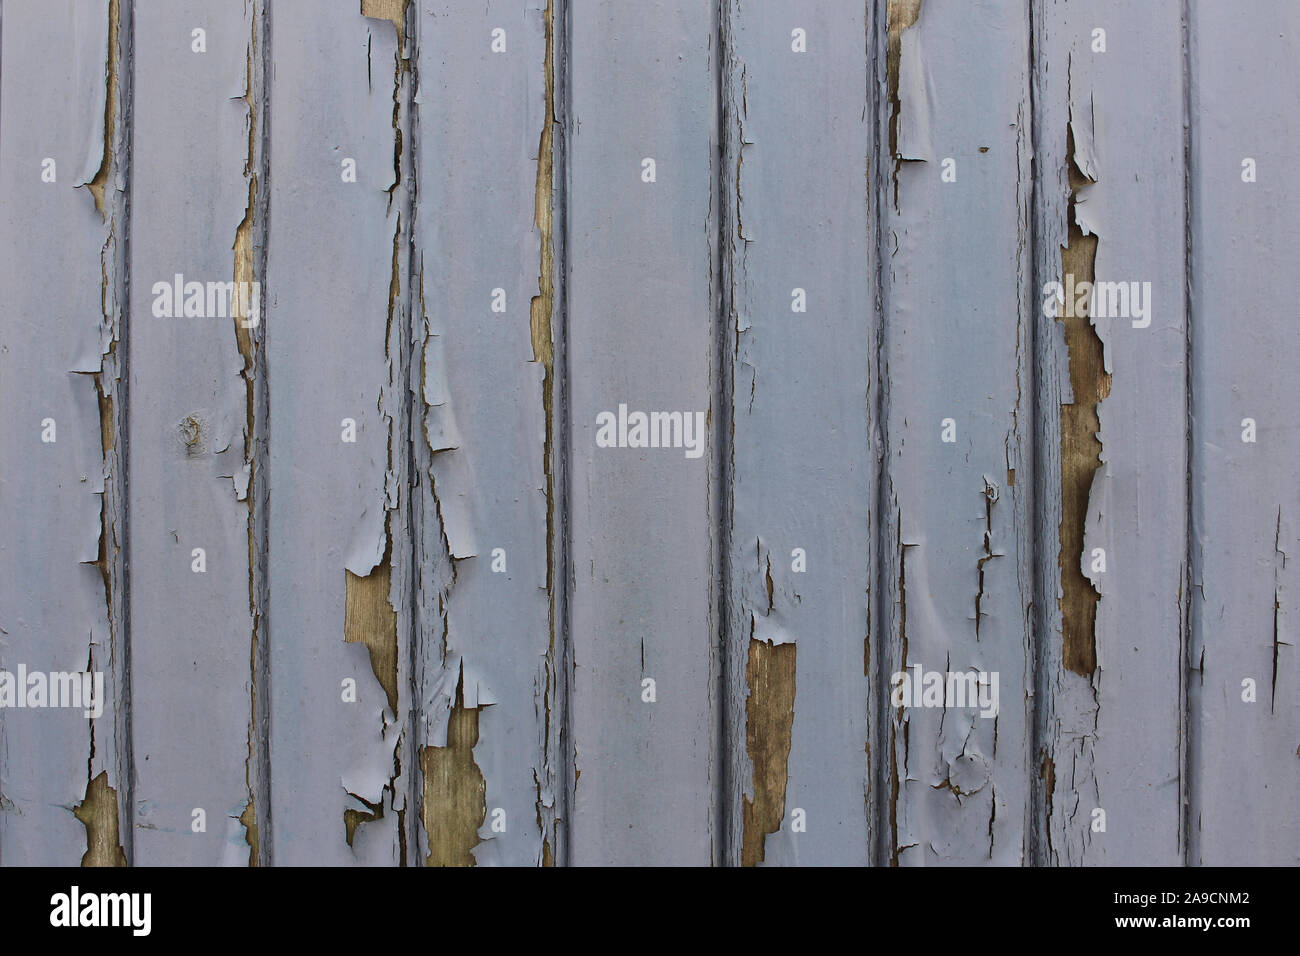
(485, 393)
(244, 276)
(100, 802)
(955, 426)
(1112, 403)
(340, 413)
(487, 732)
(540, 311)
(991, 493)
(1279, 566)
(193, 422)
(899, 719)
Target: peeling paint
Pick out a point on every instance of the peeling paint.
(248, 819)
(541, 304)
(1116, 665)
(796, 513)
(392, 10)
(371, 619)
(484, 396)
(109, 559)
(1081, 446)
(353, 818)
(959, 430)
(540, 311)
(98, 814)
(454, 805)
(100, 181)
(1112, 652)
(769, 713)
(901, 15)
(244, 276)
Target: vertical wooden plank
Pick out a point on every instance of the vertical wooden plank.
(1245, 761)
(484, 385)
(1113, 407)
(339, 568)
(802, 328)
(62, 773)
(190, 416)
(956, 556)
(641, 338)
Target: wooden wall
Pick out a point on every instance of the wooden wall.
(630, 401)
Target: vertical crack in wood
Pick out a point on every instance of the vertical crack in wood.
(540, 311)
(109, 386)
(370, 615)
(897, 718)
(1047, 774)
(244, 274)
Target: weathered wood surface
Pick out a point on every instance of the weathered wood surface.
(958, 475)
(800, 335)
(1110, 197)
(1245, 754)
(188, 510)
(61, 531)
(339, 570)
(484, 381)
(641, 303)
(390, 570)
